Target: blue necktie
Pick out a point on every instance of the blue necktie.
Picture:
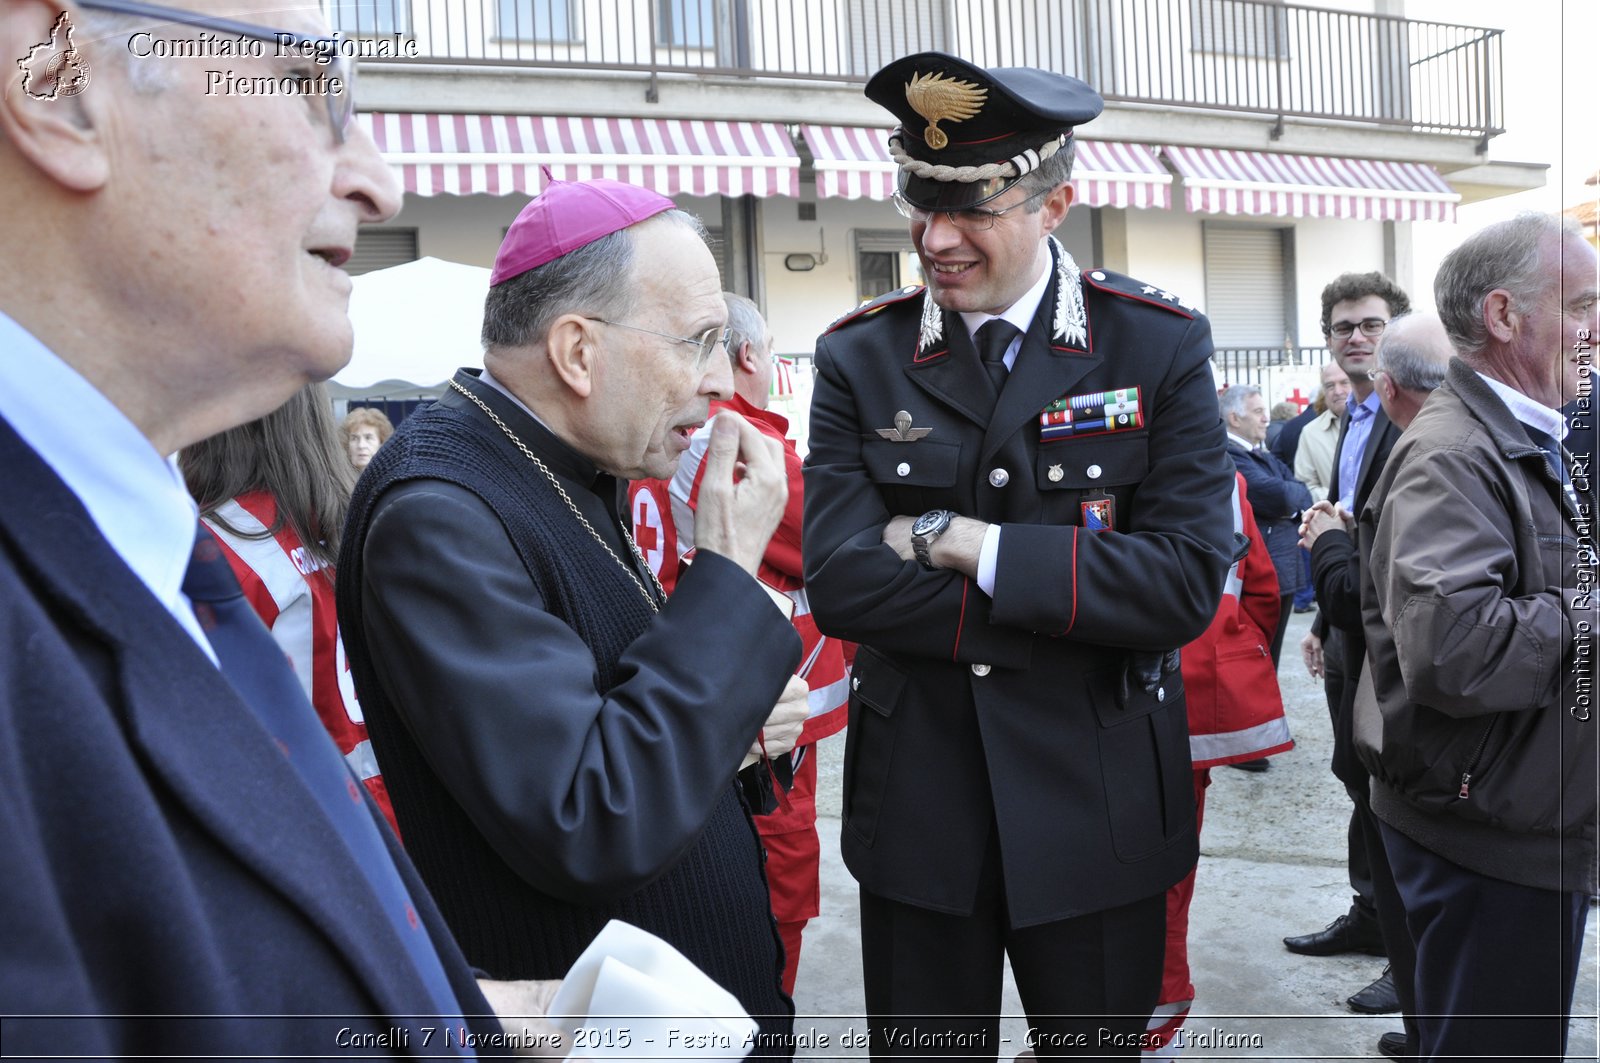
(258, 671)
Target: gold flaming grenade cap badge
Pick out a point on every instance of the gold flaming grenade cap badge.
(943, 99)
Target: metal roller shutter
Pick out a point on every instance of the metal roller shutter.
(1246, 286)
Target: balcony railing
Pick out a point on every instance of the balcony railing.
(1250, 365)
(1219, 55)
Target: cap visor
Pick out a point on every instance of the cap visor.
(928, 194)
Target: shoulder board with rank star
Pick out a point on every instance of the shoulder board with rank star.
(866, 310)
(1127, 288)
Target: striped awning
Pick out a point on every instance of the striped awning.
(464, 154)
(1310, 186)
(852, 162)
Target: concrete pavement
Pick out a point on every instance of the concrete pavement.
(1272, 865)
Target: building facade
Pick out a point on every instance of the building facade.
(1249, 151)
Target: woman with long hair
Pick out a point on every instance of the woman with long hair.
(275, 493)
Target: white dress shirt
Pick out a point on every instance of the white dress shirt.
(1020, 314)
(135, 496)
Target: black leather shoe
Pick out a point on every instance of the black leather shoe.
(1305, 608)
(1379, 998)
(1350, 932)
(1259, 764)
(1392, 1045)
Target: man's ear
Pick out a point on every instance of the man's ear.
(1500, 317)
(1056, 205)
(746, 362)
(572, 348)
(63, 136)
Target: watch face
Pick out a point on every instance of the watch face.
(928, 522)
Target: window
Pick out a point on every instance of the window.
(883, 30)
(884, 261)
(686, 23)
(1255, 28)
(539, 20)
(371, 18)
(1249, 286)
(380, 249)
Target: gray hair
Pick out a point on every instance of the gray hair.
(1051, 174)
(1505, 255)
(745, 319)
(594, 279)
(1409, 360)
(1233, 400)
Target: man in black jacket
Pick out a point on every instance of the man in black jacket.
(1356, 308)
(1017, 502)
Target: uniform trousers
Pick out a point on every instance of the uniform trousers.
(933, 980)
(1496, 961)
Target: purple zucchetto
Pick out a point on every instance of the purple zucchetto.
(566, 216)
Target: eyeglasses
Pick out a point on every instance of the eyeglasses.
(972, 220)
(706, 344)
(325, 51)
(1372, 326)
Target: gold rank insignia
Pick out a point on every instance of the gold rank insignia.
(943, 99)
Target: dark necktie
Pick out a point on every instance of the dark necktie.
(261, 674)
(1556, 460)
(993, 339)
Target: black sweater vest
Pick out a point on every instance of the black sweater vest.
(712, 904)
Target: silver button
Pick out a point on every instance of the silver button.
(1093, 472)
(1097, 275)
(980, 670)
(1161, 693)
(903, 469)
(999, 477)
(908, 289)
(855, 682)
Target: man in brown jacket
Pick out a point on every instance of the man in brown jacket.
(1475, 713)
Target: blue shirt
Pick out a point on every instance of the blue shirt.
(1355, 445)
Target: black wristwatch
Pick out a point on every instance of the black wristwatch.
(929, 527)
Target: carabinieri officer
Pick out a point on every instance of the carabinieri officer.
(1017, 502)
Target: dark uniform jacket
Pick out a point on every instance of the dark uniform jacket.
(163, 858)
(967, 711)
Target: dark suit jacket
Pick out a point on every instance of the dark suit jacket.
(967, 711)
(1287, 441)
(162, 856)
(1336, 575)
(1277, 498)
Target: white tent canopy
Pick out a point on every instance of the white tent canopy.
(415, 324)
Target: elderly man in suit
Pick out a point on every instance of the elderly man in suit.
(181, 836)
(1276, 496)
(1017, 503)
